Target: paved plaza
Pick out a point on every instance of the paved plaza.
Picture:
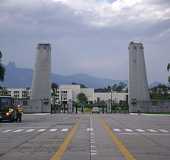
(86, 137)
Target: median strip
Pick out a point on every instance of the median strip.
(119, 144)
(67, 140)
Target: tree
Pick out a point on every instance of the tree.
(114, 87)
(159, 92)
(2, 69)
(168, 68)
(109, 88)
(82, 99)
(54, 88)
(119, 87)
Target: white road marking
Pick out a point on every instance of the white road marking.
(93, 150)
(148, 134)
(18, 130)
(140, 130)
(116, 130)
(128, 130)
(128, 133)
(152, 130)
(89, 129)
(92, 137)
(163, 130)
(30, 130)
(53, 130)
(92, 142)
(93, 153)
(6, 131)
(64, 130)
(41, 130)
(92, 134)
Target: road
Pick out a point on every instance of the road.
(86, 137)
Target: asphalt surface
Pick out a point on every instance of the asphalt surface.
(97, 137)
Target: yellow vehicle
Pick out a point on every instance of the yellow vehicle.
(7, 109)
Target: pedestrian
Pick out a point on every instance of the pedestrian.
(19, 113)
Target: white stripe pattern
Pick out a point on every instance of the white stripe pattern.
(53, 130)
(152, 130)
(41, 130)
(6, 131)
(35, 130)
(128, 130)
(64, 130)
(140, 130)
(163, 130)
(116, 130)
(30, 130)
(18, 130)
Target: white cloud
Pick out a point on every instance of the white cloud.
(104, 13)
(79, 29)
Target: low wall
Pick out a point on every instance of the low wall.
(153, 106)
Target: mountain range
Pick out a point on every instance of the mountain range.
(21, 78)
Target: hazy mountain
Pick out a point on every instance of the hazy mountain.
(20, 77)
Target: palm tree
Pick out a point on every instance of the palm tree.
(168, 68)
(54, 88)
(2, 69)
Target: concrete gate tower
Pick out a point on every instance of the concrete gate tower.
(41, 84)
(139, 99)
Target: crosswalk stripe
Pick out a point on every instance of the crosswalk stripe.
(6, 131)
(64, 130)
(89, 129)
(116, 130)
(53, 130)
(18, 130)
(30, 130)
(128, 130)
(93, 154)
(163, 130)
(41, 130)
(140, 130)
(152, 130)
(91, 133)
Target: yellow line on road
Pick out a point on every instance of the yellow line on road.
(67, 140)
(119, 144)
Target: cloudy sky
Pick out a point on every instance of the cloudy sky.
(87, 36)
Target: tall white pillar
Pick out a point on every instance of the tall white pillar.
(139, 99)
(41, 84)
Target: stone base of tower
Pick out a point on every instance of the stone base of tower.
(38, 106)
(140, 107)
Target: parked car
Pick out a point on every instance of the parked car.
(7, 109)
(96, 110)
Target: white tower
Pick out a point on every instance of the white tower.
(41, 84)
(139, 99)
